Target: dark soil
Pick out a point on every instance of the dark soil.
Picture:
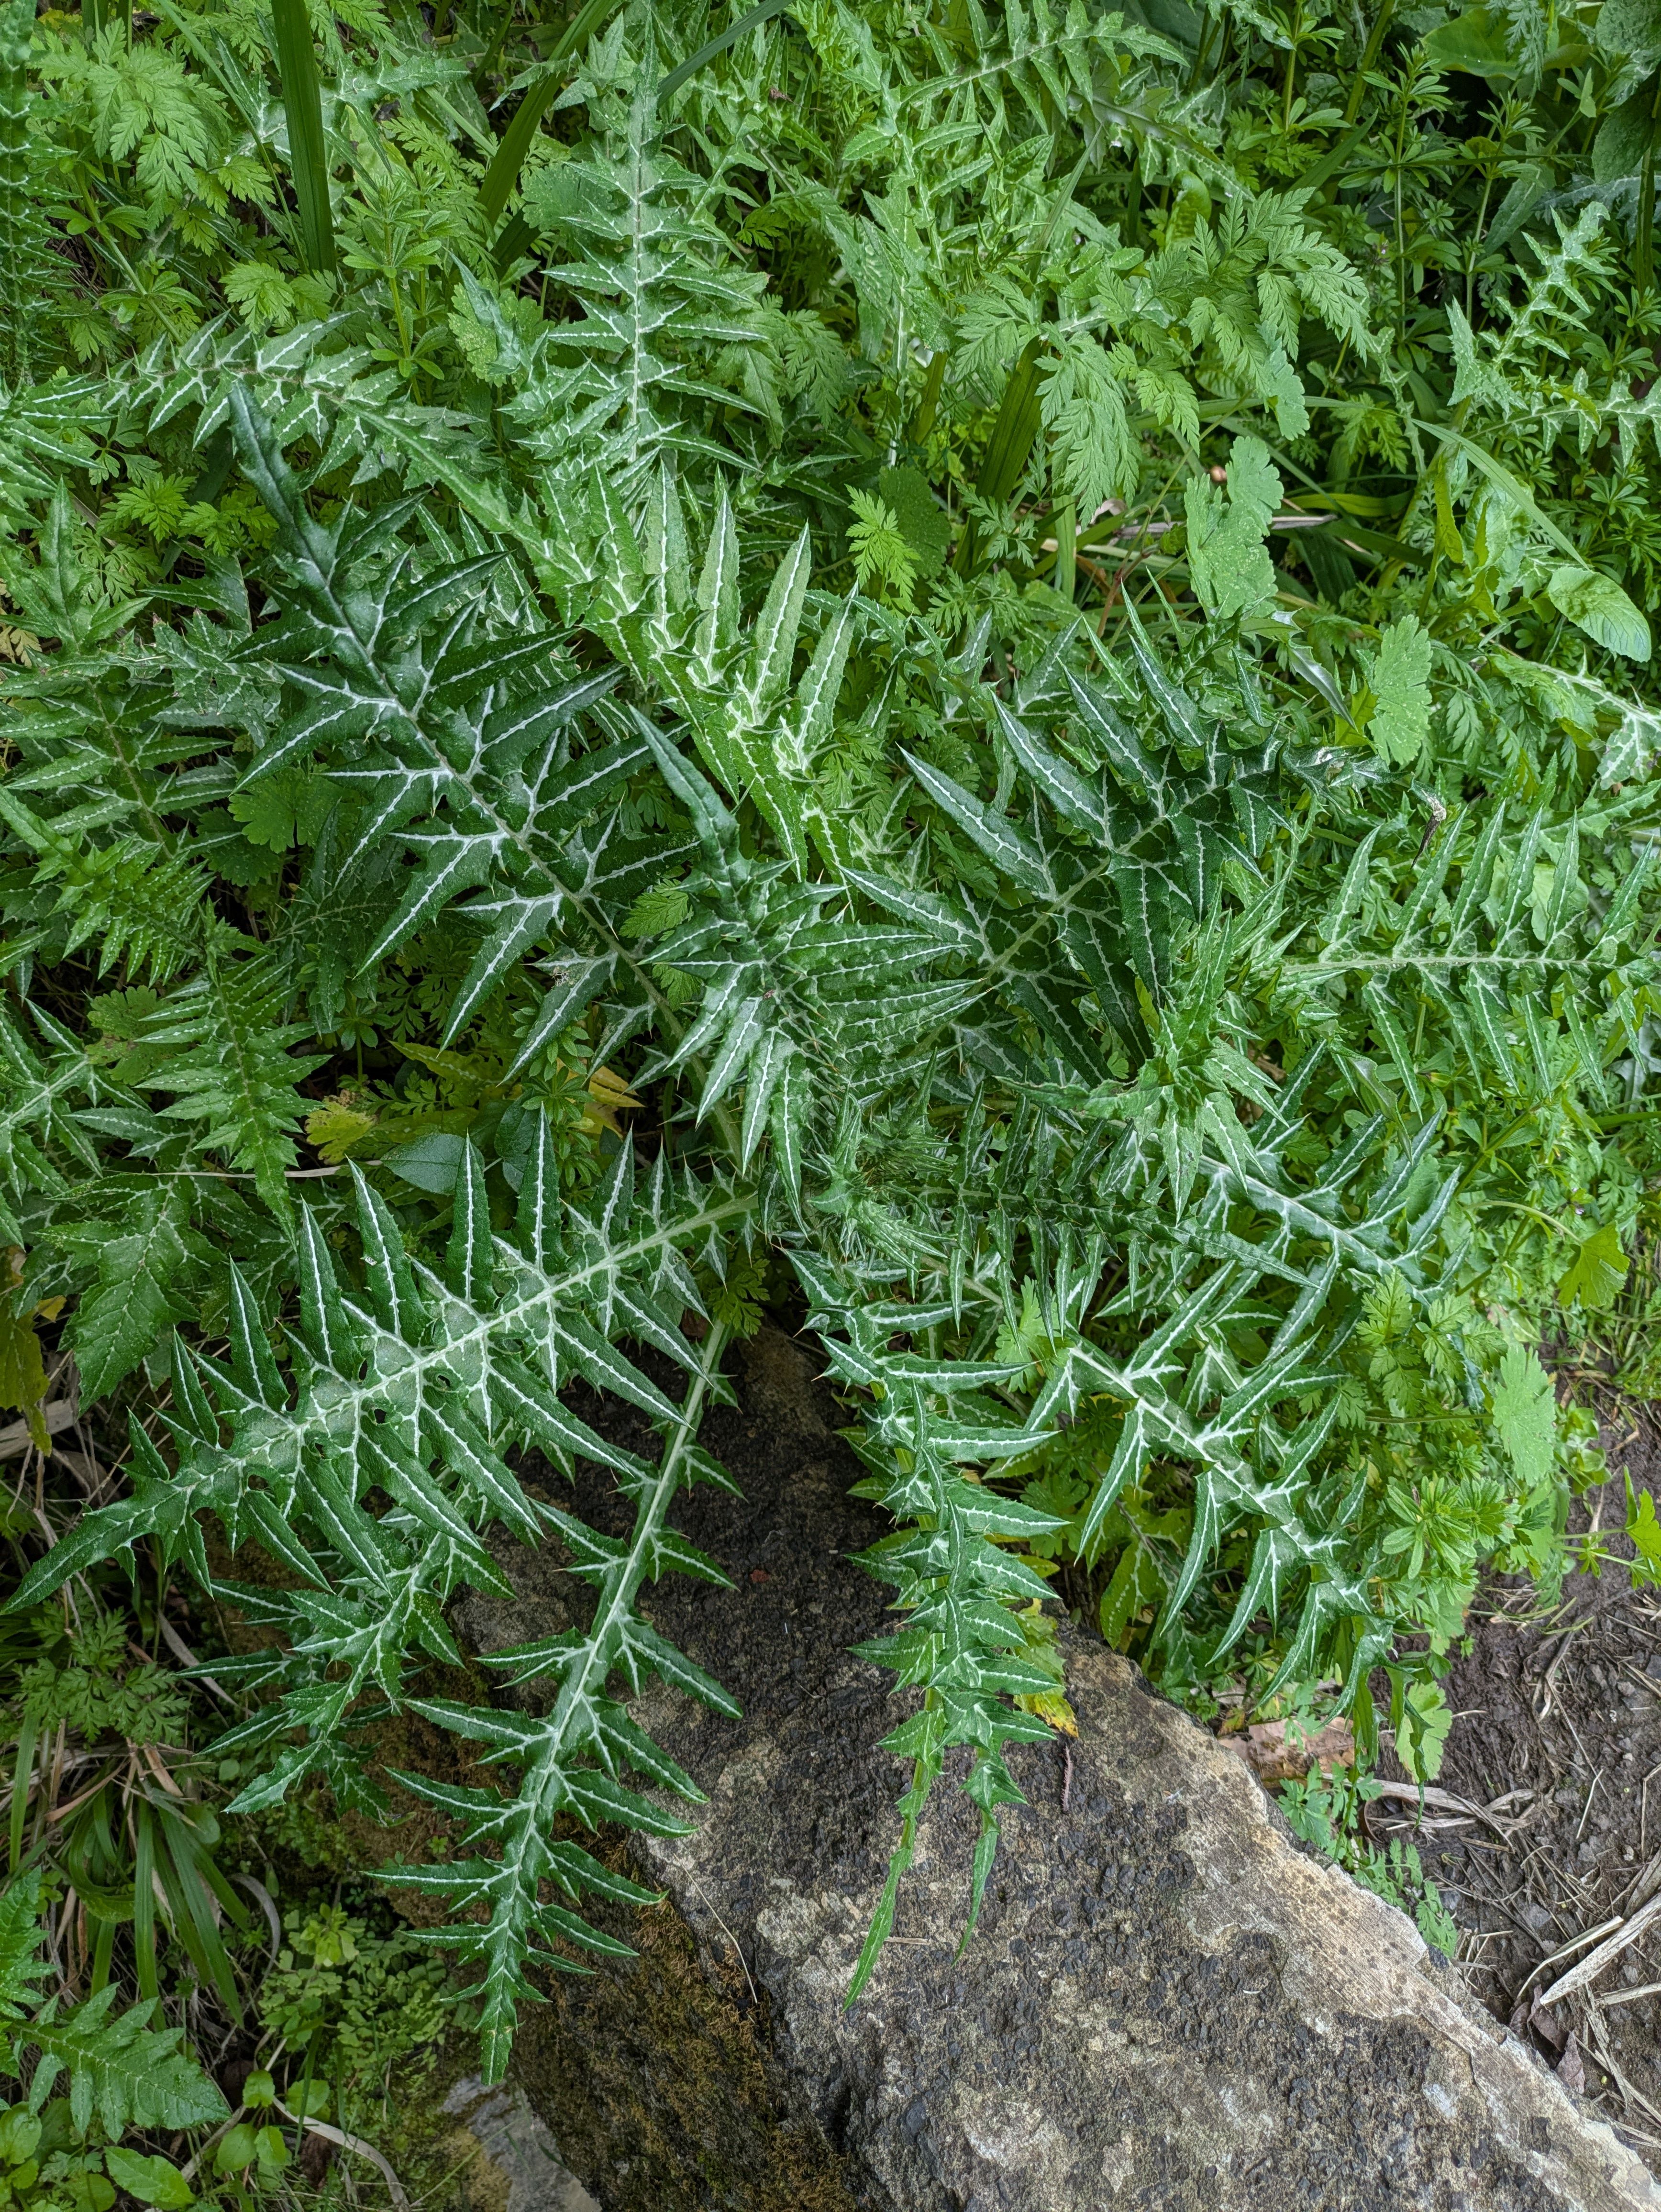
(1558, 1737)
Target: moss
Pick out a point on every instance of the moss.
(651, 2074)
(438, 2165)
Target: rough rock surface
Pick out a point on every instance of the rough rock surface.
(509, 2161)
(1167, 2005)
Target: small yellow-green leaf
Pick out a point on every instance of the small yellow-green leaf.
(336, 1126)
(22, 1372)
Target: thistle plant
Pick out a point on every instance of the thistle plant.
(983, 677)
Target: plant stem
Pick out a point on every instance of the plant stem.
(1375, 40)
(1643, 251)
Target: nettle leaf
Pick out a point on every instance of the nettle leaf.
(1525, 1414)
(1596, 604)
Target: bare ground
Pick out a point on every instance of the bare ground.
(1555, 1753)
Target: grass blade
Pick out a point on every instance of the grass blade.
(1006, 451)
(508, 159)
(302, 101)
(747, 22)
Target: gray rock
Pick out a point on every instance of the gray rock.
(1166, 2005)
(516, 2165)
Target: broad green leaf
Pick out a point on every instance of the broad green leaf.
(22, 1372)
(1645, 1531)
(1626, 134)
(1598, 1270)
(152, 2180)
(1632, 28)
(1475, 43)
(431, 1163)
(1597, 603)
(1525, 1415)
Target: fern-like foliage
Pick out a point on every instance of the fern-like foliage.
(138, 902)
(121, 2070)
(222, 1051)
(22, 233)
(49, 1104)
